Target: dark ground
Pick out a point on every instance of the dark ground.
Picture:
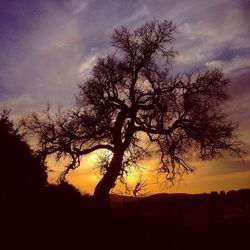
(62, 219)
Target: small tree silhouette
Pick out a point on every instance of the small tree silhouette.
(22, 174)
(131, 93)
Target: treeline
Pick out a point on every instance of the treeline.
(189, 210)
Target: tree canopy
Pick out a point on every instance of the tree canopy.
(22, 173)
(132, 94)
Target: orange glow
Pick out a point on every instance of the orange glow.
(206, 178)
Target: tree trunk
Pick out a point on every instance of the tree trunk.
(101, 194)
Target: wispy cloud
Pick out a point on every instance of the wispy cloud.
(236, 65)
(86, 65)
(78, 9)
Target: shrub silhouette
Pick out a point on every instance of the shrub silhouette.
(22, 174)
(23, 180)
(63, 199)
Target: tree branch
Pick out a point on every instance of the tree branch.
(90, 150)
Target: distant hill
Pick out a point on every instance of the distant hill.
(216, 204)
(116, 198)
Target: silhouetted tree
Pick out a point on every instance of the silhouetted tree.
(22, 174)
(131, 93)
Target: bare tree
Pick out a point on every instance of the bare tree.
(131, 93)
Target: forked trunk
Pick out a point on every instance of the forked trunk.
(101, 194)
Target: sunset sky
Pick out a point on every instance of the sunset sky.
(47, 47)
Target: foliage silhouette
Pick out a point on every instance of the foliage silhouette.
(22, 173)
(131, 105)
(23, 180)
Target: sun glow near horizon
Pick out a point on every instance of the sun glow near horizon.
(206, 178)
